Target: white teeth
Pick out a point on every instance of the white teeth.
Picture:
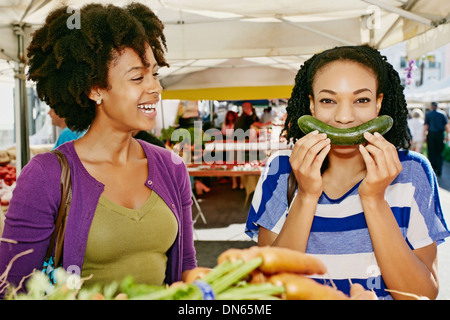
(147, 108)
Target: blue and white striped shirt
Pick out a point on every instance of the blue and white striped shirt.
(339, 235)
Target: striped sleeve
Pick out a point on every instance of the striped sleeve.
(426, 223)
(269, 204)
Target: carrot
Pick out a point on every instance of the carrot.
(97, 296)
(358, 292)
(256, 276)
(177, 284)
(365, 295)
(277, 260)
(231, 255)
(197, 273)
(234, 255)
(298, 287)
(121, 296)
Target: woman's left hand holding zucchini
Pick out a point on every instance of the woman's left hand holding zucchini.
(383, 166)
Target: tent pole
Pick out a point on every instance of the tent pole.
(404, 13)
(162, 113)
(20, 105)
(211, 111)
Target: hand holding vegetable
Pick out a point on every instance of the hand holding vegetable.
(306, 160)
(383, 166)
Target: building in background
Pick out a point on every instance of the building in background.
(433, 67)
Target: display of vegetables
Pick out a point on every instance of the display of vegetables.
(7, 183)
(241, 274)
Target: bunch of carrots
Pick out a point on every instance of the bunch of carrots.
(240, 274)
(280, 268)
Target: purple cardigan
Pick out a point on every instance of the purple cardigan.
(36, 197)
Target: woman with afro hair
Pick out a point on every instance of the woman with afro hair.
(370, 212)
(131, 200)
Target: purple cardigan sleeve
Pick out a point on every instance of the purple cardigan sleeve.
(189, 254)
(30, 216)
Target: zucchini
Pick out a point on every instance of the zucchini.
(346, 136)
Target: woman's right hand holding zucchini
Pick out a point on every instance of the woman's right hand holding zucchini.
(306, 159)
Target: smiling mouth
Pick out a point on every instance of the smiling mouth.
(147, 108)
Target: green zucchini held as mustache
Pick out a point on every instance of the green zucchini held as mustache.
(346, 136)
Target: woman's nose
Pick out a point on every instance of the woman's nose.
(153, 85)
(344, 114)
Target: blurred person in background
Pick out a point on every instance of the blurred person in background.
(247, 118)
(267, 116)
(147, 136)
(228, 124)
(66, 134)
(228, 132)
(434, 128)
(415, 124)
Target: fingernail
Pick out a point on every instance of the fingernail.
(315, 132)
(376, 134)
(367, 134)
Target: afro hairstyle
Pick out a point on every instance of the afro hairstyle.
(66, 63)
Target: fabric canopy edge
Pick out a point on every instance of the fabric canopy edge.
(230, 93)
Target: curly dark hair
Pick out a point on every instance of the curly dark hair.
(388, 81)
(67, 63)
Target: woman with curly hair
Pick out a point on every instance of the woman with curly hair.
(131, 200)
(370, 212)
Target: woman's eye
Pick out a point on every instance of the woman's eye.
(137, 79)
(363, 100)
(326, 101)
(155, 75)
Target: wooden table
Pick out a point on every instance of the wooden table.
(224, 171)
(247, 145)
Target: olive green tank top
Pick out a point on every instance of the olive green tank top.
(125, 241)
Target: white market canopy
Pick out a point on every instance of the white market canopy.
(276, 34)
(238, 49)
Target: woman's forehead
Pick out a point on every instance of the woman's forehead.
(127, 59)
(344, 69)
